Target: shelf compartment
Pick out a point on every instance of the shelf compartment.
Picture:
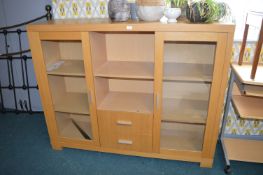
(124, 95)
(184, 137)
(188, 72)
(127, 101)
(126, 69)
(186, 90)
(66, 67)
(123, 55)
(244, 149)
(185, 102)
(189, 52)
(69, 94)
(74, 126)
(248, 107)
(73, 103)
(243, 73)
(184, 110)
(61, 50)
(247, 89)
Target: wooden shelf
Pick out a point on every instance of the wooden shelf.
(128, 102)
(67, 128)
(248, 107)
(248, 90)
(126, 69)
(66, 67)
(243, 73)
(184, 110)
(188, 72)
(244, 150)
(73, 103)
(186, 137)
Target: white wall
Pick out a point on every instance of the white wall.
(239, 9)
(13, 12)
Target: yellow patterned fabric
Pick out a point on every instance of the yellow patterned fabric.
(68, 9)
(235, 125)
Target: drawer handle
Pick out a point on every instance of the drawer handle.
(125, 142)
(122, 122)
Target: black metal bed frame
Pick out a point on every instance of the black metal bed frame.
(22, 55)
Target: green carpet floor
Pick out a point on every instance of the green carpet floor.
(25, 150)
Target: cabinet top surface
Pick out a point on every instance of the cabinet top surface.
(81, 25)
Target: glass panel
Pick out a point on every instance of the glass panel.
(66, 76)
(187, 77)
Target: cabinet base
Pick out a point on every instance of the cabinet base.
(206, 163)
(177, 155)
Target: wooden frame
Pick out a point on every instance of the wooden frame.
(45, 90)
(215, 104)
(136, 73)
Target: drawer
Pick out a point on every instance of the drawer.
(128, 131)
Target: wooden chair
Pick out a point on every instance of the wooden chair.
(254, 19)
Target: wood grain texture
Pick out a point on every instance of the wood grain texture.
(180, 72)
(243, 74)
(158, 74)
(134, 128)
(59, 36)
(68, 68)
(217, 96)
(243, 46)
(126, 69)
(44, 90)
(127, 101)
(73, 103)
(85, 38)
(165, 154)
(186, 137)
(184, 110)
(248, 107)
(178, 52)
(96, 42)
(137, 47)
(84, 25)
(68, 130)
(244, 150)
(251, 90)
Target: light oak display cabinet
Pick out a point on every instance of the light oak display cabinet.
(134, 88)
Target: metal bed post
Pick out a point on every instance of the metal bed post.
(22, 57)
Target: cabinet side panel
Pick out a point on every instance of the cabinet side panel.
(44, 91)
(98, 49)
(212, 136)
(216, 99)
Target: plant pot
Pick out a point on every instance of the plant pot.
(119, 10)
(150, 13)
(222, 10)
(193, 13)
(172, 14)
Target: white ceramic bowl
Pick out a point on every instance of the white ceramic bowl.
(150, 13)
(172, 14)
